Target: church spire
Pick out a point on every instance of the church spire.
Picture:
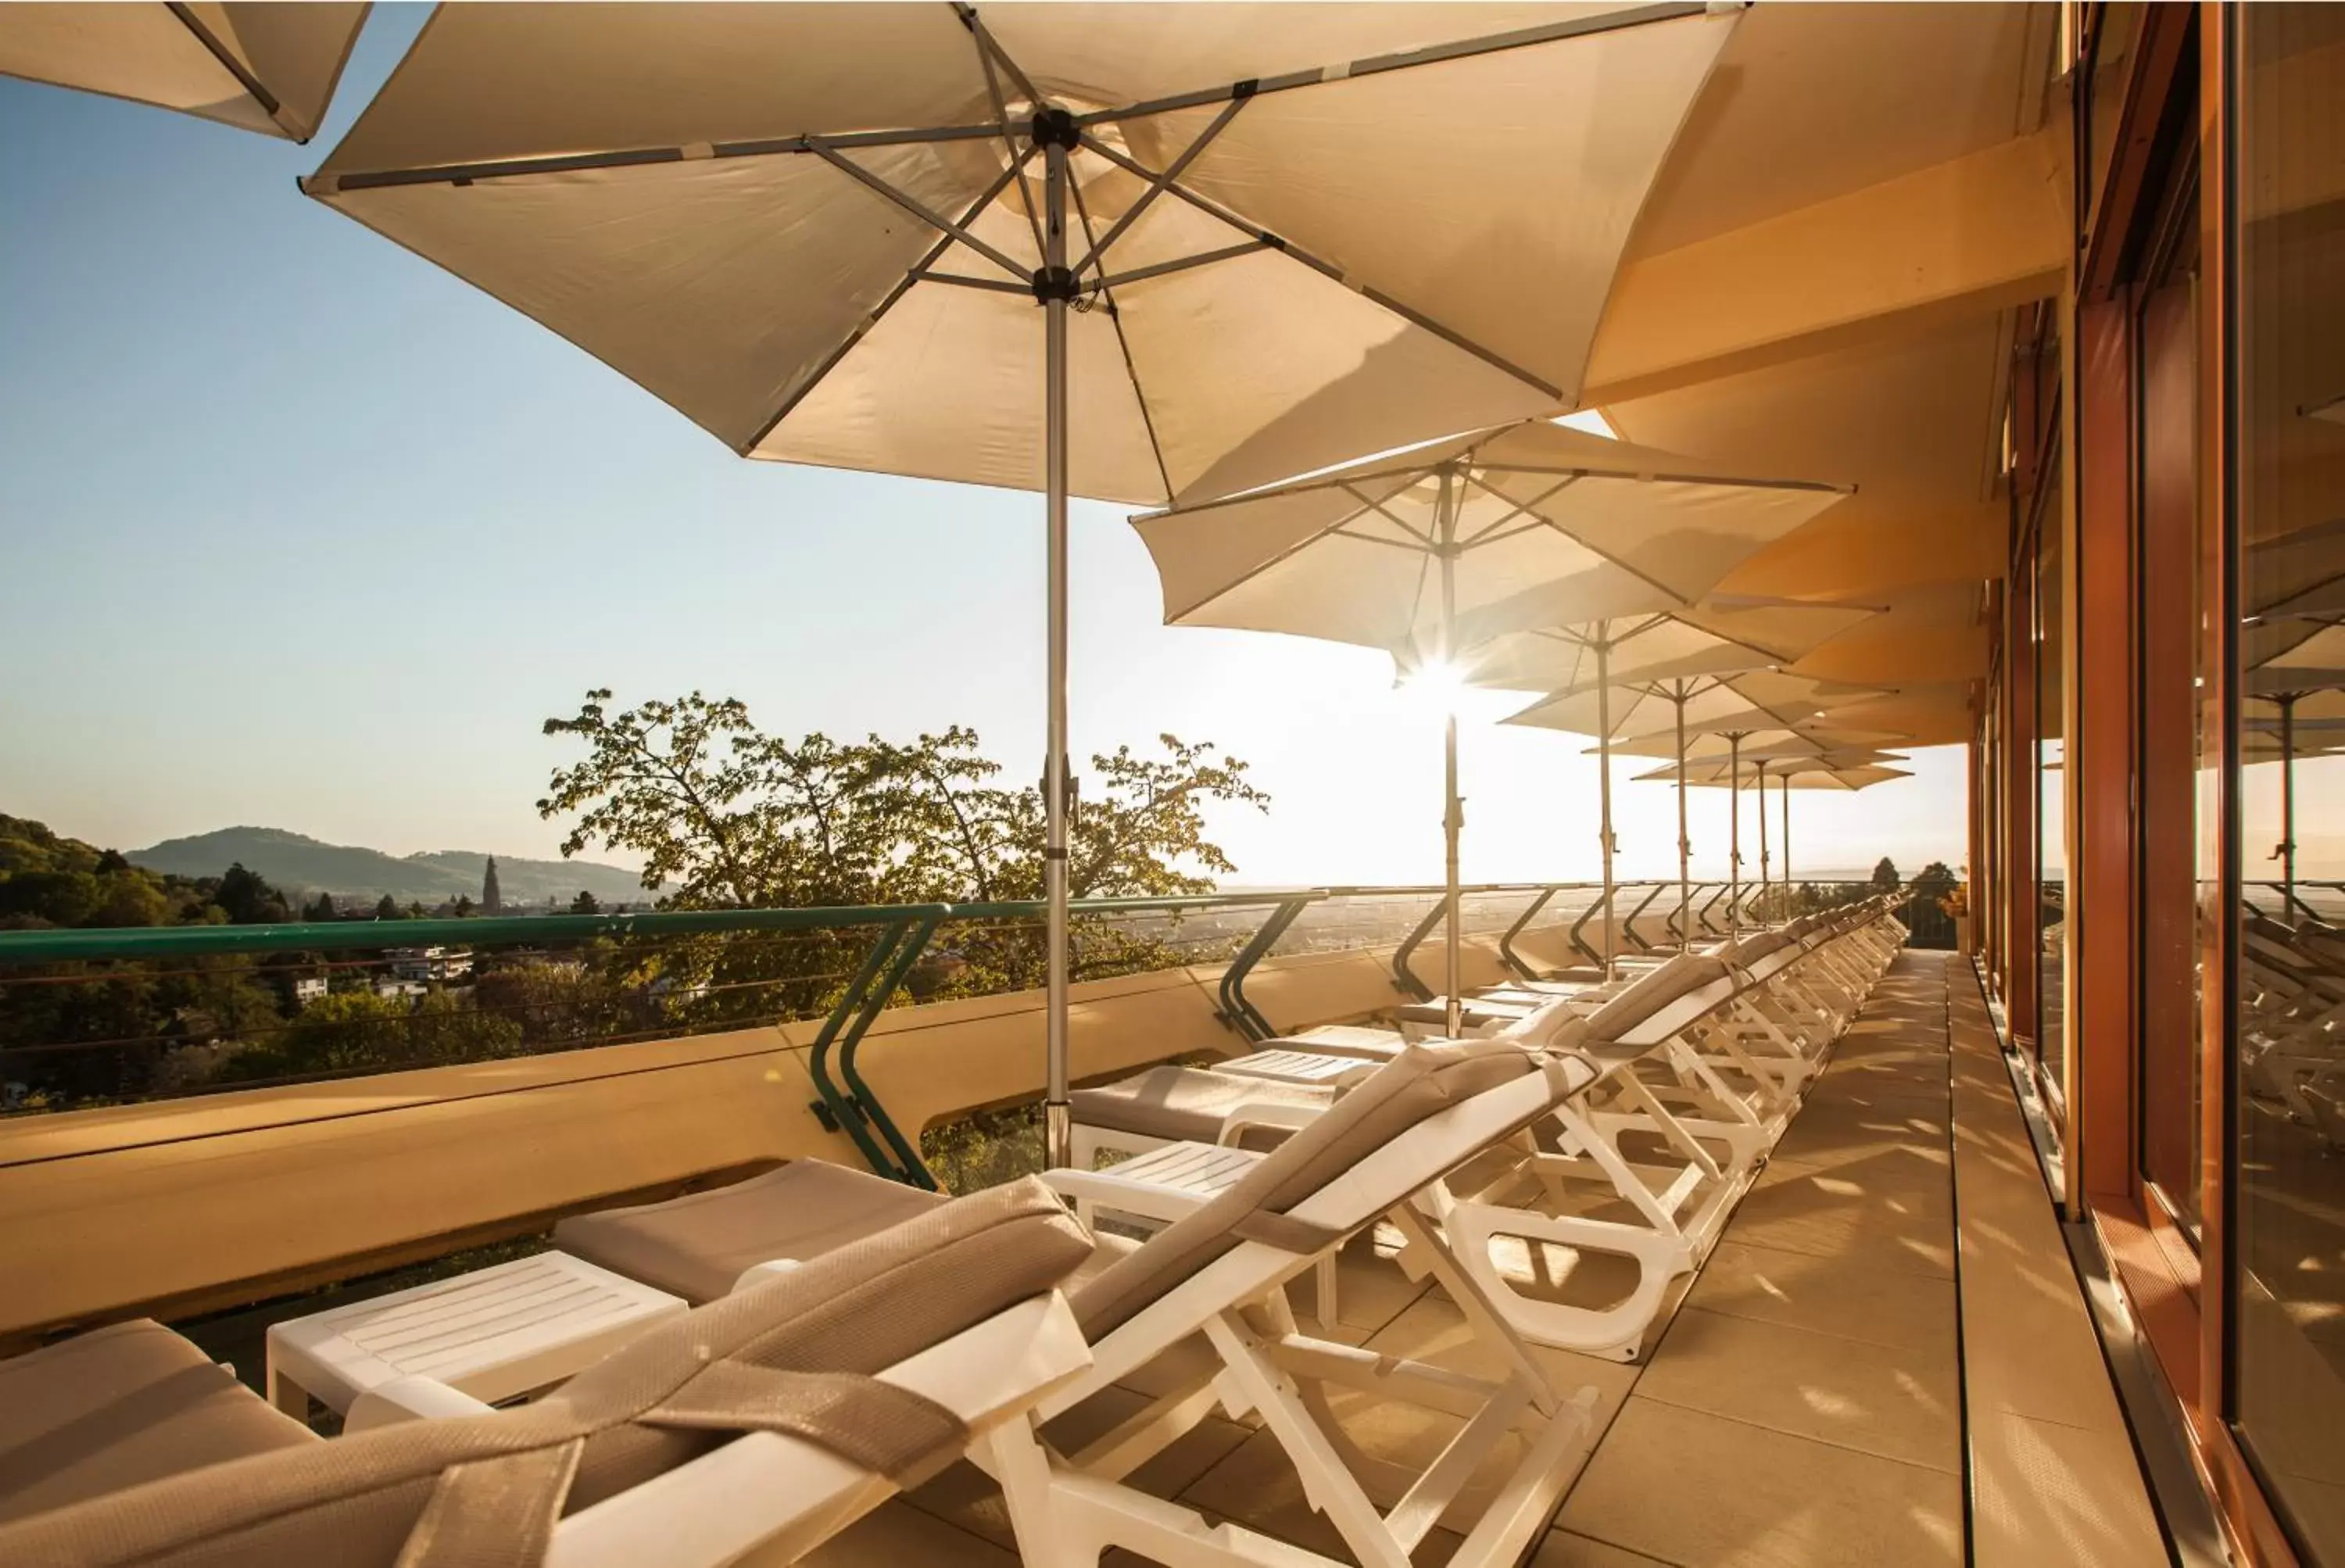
(492, 901)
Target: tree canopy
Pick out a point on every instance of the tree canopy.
(733, 818)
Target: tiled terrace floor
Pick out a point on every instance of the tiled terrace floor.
(1806, 1403)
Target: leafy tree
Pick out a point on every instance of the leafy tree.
(737, 818)
(1937, 881)
(321, 909)
(463, 906)
(248, 900)
(1885, 877)
(584, 903)
(386, 908)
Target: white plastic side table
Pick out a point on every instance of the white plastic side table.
(493, 1335)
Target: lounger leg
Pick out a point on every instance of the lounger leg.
(1048, 1535)
(1327, 1485)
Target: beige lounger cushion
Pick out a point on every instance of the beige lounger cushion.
(697, 1246)
(1420, 1082)
(1639, 1002)
(118, 1406)
(1187, 1105)
(791, 1355)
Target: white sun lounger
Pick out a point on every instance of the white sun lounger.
(1221, 1271)
(763, 1424)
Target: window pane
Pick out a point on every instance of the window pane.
(2051, 842)
(2289, 1098)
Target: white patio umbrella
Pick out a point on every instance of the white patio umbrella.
(270, 69)
(1843, 771)
(1432, 550)
(1144, 252)
(1579, 657)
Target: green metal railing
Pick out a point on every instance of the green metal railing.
(898, 938)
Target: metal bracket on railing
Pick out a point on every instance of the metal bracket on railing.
(1600, 901)
(852, 1110)
(1237, 1012)
(907, 953)
(1629, 926)
(1513, 960)
(1404, 978)
(1702, 914)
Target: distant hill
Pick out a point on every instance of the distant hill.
(297, 861)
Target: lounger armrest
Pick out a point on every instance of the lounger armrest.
(410, 1398)
(1254, 1113)
(1109, 1190)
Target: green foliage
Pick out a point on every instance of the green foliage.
(387, 908)
(249, 899)
(360, 1031)
(584, 903)
(730, 818)
(737, 818)
(1937, 881)
(1885, 877)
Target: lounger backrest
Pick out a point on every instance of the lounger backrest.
(1761, 957)
(1416, 1084)
(794, 1355)
(1662, 1004)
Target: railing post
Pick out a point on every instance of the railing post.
(836, 1110)
(915, 1170)
(1702, 914)
(1506, 952)
(1237, 1012)
(1581, 924)
(1628, 927)
(1404, 977)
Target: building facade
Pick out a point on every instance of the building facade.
(2157, 821)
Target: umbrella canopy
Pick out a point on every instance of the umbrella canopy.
(1683, 645)
(1143, 252)
(270, 69)
(1840, 770)
(1705, 668)
(1295, 232)
(1445, 546)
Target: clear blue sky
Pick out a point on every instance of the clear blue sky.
(296, 530)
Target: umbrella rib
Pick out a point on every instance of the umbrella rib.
(1250, 573)
(1329, 270)
(1611, 559)
(1515, 509)
(1183, 263)
(982, 40)
(990, 285)
(992, 46)
(1377, 506)
(1156, 184)
(918, 208)
(630, 158)
(235, 67)
(1123, 343)
(1465, 48)
(912, 275)
(1710, 479)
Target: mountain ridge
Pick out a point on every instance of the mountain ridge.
(296, 861)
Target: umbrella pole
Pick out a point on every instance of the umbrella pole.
(1761, 775)
(2287, 804)
(1783, 793)
(1453, 815)
(1057, 1113)
(1603, 776)
(1685, 840)
(1734, 835)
